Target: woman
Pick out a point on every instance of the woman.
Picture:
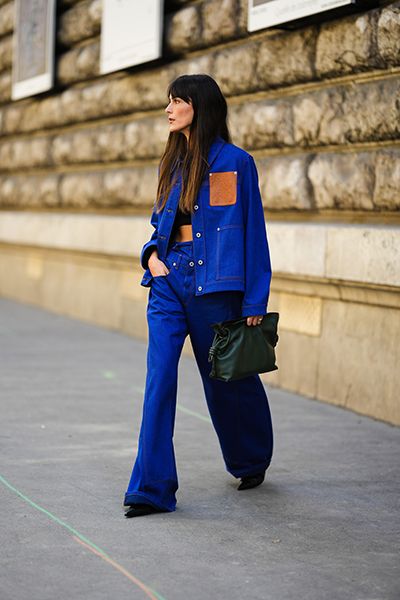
(207, 261)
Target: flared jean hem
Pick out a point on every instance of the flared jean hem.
(139, 498)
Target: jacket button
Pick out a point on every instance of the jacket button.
(198, 234)
(191, 264)
(174, 264)
(200, 262)
(195, 206)
(218, 228)
(199, 288)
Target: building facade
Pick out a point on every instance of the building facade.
(319, 109)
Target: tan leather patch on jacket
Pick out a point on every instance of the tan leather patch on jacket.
(223, 188)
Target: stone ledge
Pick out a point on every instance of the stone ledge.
(104, 234)
(345, 291)
(367, 254)
(301, 287)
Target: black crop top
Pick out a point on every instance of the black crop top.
(181, 218)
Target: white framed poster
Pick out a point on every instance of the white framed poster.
(131, 33)
(266, 13)
(33, 47)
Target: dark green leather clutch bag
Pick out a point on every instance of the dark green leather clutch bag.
(239, 350)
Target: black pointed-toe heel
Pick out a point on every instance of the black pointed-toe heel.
(139, 510)
(251, 481)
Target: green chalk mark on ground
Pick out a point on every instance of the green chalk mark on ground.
(65, 525)
(193, 413)
(109, 374)
(51, 516)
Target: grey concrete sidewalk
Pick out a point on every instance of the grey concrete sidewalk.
(324, 525)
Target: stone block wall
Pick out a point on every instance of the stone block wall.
(320, 104)
(318, 108)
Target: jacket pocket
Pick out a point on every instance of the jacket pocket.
(223, 188)
(230, 259)
(147, 278)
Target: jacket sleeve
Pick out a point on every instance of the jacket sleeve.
(257, 258)
(152, 243)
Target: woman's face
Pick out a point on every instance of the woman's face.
(180, 115)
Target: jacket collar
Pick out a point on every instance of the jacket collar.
(215, 149)
(216, 146)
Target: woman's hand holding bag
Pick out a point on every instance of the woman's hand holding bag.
(239, 351)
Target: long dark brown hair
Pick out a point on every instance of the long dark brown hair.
(209, 121)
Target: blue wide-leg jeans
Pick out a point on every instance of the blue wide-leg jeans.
(239, 409)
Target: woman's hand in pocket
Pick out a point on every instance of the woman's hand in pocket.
(156, 266)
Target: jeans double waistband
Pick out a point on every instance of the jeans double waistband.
(185, 252)
(178, 244)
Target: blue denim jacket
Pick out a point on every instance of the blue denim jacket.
(229, 237)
